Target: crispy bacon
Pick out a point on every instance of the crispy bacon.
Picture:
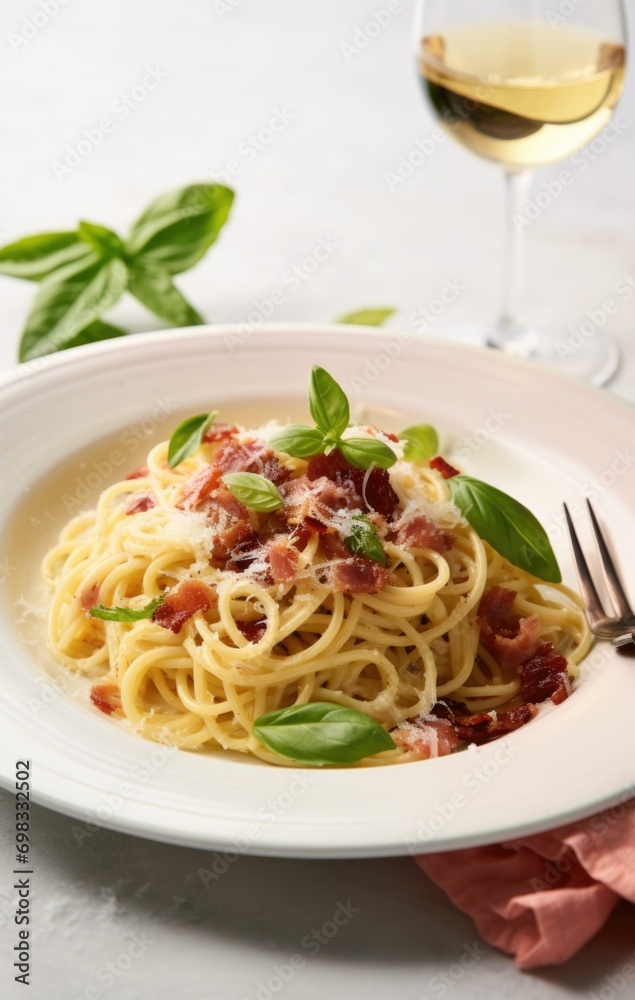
(511, 640)
(217, 432)
(273, 470)
(139, 502)
(483, 726)
(373, 489)
(206, 490)
(447, 471)
(89, 597)
(182, 603)
(315, 500)
(420, 532)
(283, 560)
(358, 575)
(253, 631)
(236, 457)
(138, 473)
(105, 697)
(426, 739)
(231, 540)
(544, 676)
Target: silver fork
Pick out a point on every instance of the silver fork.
(620, 628)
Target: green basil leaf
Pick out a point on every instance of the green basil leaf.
(298, 441)
(188, 436)
(104, 240)
(368, 317)
(177, 229)
(327, 402)
(364, 541)
(322, 733)
(253, 491)
(36, 257)
(63, 309)
(507, 526)
(153, 286)
(126, 614)
(422, 442)
(94, 332)
(364, 452)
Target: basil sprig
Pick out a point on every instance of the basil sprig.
(253, 491)
(126, 614)
(187, 437)
(368, 317)
(330, 410)
(507, 526)
(422, 442)
(364, 540)
(84, 273)
(321, 733)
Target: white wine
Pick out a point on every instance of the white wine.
(522, 93)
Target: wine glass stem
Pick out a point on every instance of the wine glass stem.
(511, 334)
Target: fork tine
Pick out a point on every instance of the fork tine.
(613, 583)
(592, 603)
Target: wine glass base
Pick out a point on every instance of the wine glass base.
(595, 360)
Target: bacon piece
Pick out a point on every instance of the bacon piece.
(253, 631)
(273, 470)
(89, 597)
(447, 471)
(138, 473)
(283, 560)
(232, 539)
(359, 575)
(105, 697)
(182, 603)
(316, 500)
(373, 488)
(544, 676)
(420, 532)
(206, 490)
(511, 640)
(482, 727)
(246, 457)
(426, 739)
(217, 432)
(138, 503)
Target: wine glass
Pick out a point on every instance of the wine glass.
(525, 83)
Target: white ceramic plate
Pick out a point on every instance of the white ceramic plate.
(536, 435)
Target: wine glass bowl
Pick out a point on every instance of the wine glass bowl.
(520, 83)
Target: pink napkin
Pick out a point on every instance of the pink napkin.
(543, 897)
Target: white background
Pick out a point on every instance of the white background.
(226, 74)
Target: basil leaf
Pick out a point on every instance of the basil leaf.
(367, 317)
(327, 402)
(507, 526)
(364, 452)
(63, 309)
(298, 441)
(187, 437)
(36, 257)
(422, 442)
(364, 541)
(322, 733)
(177, 229)
(94, 332)
(253, 491)
(104, 240)
(153, 286)
(126, 614)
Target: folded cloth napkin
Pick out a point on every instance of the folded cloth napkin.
(543, 897)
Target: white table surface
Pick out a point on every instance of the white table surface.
(228, 68)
